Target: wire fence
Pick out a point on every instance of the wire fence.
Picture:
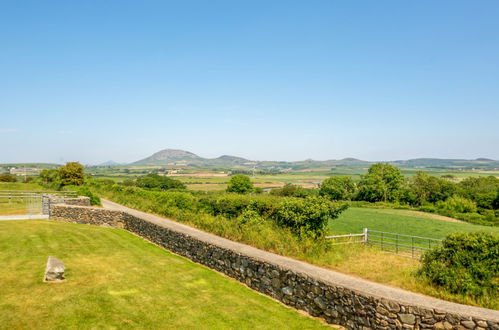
(404, 245)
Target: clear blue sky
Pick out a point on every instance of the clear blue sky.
(266, 80)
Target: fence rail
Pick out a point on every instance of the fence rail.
(25, 202)
(405, 245)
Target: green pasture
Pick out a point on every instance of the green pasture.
(116, 280)
(407, 222)
(307, 178)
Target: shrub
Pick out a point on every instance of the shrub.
(156, 182)
(307, 216)
(338, 188)
(7, 178)
(466, 263)
(291, 190)
(457, 204)
(240, 184)
(84, 191)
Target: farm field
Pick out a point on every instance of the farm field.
(407, 222)
(205, 179)
(115, 280)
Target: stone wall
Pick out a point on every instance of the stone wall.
(49, 200)
(338, 299)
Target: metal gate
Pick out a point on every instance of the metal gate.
(18, 204)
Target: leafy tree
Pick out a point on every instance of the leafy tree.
(427, 188)
(307, 216)
(381, 183)
(481, 190)
(51, 178)
(156, 182)
(7, 178)
(240, 184)
(72, 174)
(338, 188)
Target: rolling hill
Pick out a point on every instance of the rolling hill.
(186, 158)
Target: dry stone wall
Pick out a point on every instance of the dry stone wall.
(315, 294)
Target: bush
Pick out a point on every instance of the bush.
(7, 178)
(240, 184)
(84, 191)
(233, 205)
(457, 204)
(338, 188)
(291, 190)
(156, 182)
(307, 216)
(466, 263)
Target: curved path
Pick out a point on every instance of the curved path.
(334, 278)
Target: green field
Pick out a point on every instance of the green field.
(405, 222)
(308, 178)
(117, 280)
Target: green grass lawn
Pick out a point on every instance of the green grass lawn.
(117, 280)
(405, 222)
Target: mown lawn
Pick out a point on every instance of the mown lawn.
(405, 222)
(118, 280)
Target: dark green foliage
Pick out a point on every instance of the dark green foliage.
(156, 182)
(466, 263)
(456, 204)
(483, 191)
(291, 190)
(84, 191)
(381, 183)
(240, 184)
(338, 188)
(429, 189)
(72, 174)
(234, 205)
(7, 178)
(495, 202)
(307, 215)
(51, 178)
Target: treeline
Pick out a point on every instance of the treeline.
(473, 199)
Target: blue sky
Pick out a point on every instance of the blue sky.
(266, 80)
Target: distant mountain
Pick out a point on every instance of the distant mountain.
(447, 163)
(110, 163)
(186, 158)
(169, 157)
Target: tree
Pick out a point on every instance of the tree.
(156, 182)
(381, 183)
(51, 178)
(427, 188)
(481, 190)
(337, 188)
(240, 184)
(72, 174)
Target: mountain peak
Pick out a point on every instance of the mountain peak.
(166, 156)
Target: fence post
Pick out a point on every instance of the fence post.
(366, 237)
